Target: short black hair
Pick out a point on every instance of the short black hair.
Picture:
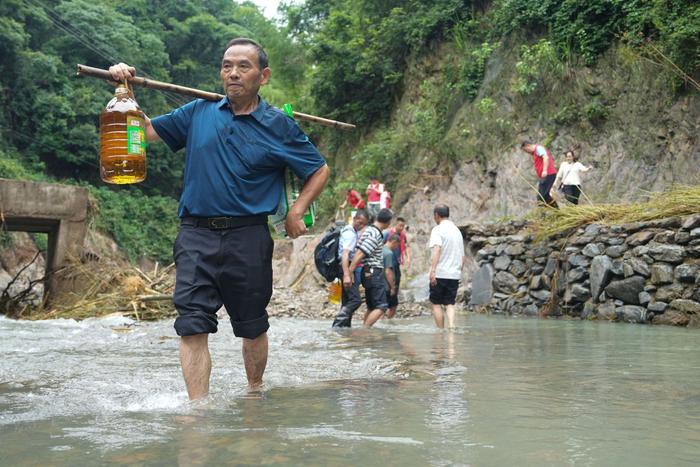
(442, 210)
(384, 216)
(400, 219)
(394, 238)
(361, 213)
(525, 143)
(262, 56)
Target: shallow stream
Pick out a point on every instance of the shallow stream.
(498, 391)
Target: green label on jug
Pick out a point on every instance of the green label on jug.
(135, 136)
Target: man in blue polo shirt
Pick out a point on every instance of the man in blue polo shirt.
(236, 151)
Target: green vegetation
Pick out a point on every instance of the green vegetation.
(411, 74)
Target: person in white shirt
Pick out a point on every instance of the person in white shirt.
(447, 259)
(569, 177)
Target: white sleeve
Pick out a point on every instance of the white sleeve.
(435, 238)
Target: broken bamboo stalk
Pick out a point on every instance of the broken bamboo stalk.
(192, 92)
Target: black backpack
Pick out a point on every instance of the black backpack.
(326, 254)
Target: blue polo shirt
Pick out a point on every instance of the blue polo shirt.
(234, 165)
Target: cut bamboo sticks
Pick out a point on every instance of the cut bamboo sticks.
(84, 70)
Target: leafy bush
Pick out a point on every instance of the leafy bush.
(471, 73)
(536, 61)
(596, 111)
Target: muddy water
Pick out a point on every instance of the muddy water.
(497, 391)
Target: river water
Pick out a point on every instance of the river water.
(498, 391)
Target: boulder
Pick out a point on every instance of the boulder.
(668, 293)
(536, 282)
(684, 305)
(589, 311)
(626, 290)
(541, 295)
(673, 254)
(686, 272)
(505, 282)
(579, 261)
(592, 230)
(501, 263)
(691, 222)
(640, 238)
(695, 233)
(665, 236)
(631, 314)
(576, 275)
(482, 286)
(593, 249)
(600, 274)
(618, 267)
(644, 298)
(638, 266)
(671, 318)
(607, 311)
(577, 294)
(516, 249)
(661, 273)
(517, 268)
(551, 265)
(615, 251)
(657, 307)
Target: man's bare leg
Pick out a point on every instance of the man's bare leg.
(372, 317)
(439, 318)
(390, 312)
(255, 360)
(196, 364)
(450, 311)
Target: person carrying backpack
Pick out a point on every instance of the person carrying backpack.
(350, 299)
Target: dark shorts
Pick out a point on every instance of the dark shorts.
(230, 267)
(572, 193)
(376, 288)
(543, 189)
(444, 292)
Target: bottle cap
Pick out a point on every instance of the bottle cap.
(288, 110)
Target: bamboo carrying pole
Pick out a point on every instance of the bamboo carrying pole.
(210, 96)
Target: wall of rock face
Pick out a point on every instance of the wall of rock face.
(644, 272)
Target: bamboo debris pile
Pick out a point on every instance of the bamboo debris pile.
(103, 289)
(679, 201)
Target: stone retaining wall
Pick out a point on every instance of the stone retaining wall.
(645, 272)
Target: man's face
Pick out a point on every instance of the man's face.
(359, 222)
(240, 72)
(393, 245)
(400, 225)
(528, 148)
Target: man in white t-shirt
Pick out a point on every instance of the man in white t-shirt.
(447, 259)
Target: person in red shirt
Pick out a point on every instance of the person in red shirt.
(545, 169)
(374, 196)
(354, 199)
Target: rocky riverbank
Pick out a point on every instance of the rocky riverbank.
(643, 272)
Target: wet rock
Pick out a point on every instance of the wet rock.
(517, 268)
(501, 263)
(626, 290)
(615, 251)
(532, 310)
(640, 238)
(600, 274)
(673, 254)
(661, 273)
(579, 261)
(593, 249)
(695, 233)
(686, 273)
(671, 318)
(482, 286)
(668, 293)
(631, 314)
(657, 307)
(589, 311)
(691, 222)
(505, 282)
(686, 306)
(607, 311)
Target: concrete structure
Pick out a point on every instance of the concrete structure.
(58, 210)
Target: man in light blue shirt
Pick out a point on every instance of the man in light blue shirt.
(350, 300)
